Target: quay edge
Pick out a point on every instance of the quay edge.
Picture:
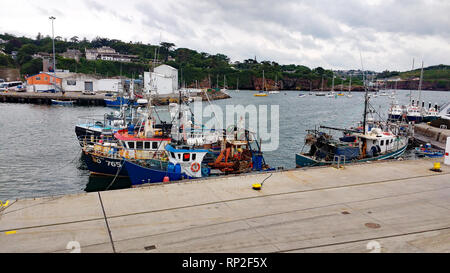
(401, 204)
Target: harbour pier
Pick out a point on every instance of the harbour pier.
(437, 137)
(46, 98)
(92, 100)
(386, 206)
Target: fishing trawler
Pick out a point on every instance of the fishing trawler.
(234, 155)
(369, 142)
(181, 162)
(106, 156)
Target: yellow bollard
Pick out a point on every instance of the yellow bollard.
(436, 167)
(256, 187)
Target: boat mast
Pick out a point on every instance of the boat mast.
(350, 85)
(264, 82)
(412, 69)
(332, 84)
(322, 84)
(365, 96)
(420, 87)
(276, 81)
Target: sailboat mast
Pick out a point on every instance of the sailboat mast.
(322, 84)
(332, 84)
(350, 85)
(264, 82)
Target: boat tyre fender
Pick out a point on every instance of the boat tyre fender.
(195, 167)
(374, 151)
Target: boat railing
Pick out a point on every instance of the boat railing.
(339, 161)
(91, 120)
(113, 149)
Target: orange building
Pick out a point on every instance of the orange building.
(44, 82)
(43, 79)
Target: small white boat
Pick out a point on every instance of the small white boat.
(62, 102)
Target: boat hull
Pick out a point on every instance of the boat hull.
(142, 175)
(306, 161)
(104, 166)
(119, 101)
(62, 102)
(394, 117)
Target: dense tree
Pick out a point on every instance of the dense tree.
(165, 49)
(32, 67)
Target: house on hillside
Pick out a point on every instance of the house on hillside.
(108, 54)
(72, 54)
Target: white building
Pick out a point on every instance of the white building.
(72, 82)
(84, 82)
(164, 80)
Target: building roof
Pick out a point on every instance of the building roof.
(165, 65)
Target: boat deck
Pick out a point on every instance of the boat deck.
(389, 206)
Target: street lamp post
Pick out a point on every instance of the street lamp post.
(53, 41)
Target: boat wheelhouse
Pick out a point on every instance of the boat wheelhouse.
(136, 145)
(353, 147)
(183, 162)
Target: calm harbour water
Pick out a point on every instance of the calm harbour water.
(40, 155)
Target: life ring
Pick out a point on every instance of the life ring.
(195, 167)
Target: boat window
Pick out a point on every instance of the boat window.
(147, 145)
(382, 143)
(179, 156)
(186, 157)
(139, 145)
(194, 156)
(38, 78)
(173, 155)
(154, 145)
(131, 145)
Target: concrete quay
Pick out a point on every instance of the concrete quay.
(46, 98)
(92, 100)
(389, 206)
(437, 137)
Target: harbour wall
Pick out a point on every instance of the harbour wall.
(435, 136)
(89, 100)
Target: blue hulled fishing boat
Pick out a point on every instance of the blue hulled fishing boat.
(183, 163)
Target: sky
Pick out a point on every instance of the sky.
(328, 33)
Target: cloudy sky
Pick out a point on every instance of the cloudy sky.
(327, 33)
